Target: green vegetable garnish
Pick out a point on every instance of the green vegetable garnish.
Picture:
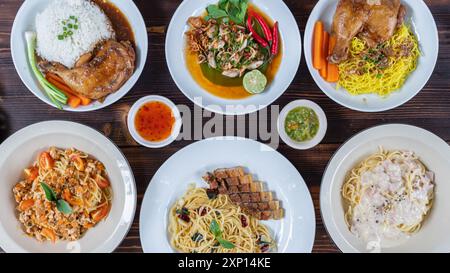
(217, 232)
(235, 10)
(70, 23)
(56, 96)
(51, 196)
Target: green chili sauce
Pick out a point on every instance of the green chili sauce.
(301, 124)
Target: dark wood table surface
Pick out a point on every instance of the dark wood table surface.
(430, 109)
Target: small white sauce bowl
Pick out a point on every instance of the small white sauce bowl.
(152, 144)
(305, 145)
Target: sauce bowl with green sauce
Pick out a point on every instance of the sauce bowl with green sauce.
(302, 124)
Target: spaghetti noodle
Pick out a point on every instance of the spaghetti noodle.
(191, 219)
(388, 196)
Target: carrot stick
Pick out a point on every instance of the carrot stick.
(333, 70)
(84, 101)
(324, 71)
(72, 100)
(318, 57)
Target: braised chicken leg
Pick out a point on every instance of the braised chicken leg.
(375, 21)
(112, 64)
(348, 21)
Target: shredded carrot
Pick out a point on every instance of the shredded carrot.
(333, 70)
(324, 71)
(318, 56)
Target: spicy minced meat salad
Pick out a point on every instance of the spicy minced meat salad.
(225, 46)
(64, 194)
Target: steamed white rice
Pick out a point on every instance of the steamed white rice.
(93, 27)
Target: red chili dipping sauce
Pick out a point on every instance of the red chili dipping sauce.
(154, 121)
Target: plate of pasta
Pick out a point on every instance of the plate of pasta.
(66, 188)
(371, 56)
(385, 190)
(229, 203)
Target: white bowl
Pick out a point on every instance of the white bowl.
(150, 144)
(431, 150)
(425, 29)
(175, 56)
(25, 21)
(305, 145)
(21, 149)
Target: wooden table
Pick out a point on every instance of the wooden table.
(430, 109)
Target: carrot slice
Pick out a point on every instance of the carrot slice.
(324, 71)
(58, 82)
(333, 70)
(318, 56)
(72, 100)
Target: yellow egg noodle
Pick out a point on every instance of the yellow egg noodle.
(373, 79)
(353, 189)
(202, 212)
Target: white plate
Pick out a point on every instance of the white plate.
(20, 150)
(25, 21)
(175, 45)
(432, 151)
(294, 233)
(425, 29)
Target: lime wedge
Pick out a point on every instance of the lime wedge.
(255, 82)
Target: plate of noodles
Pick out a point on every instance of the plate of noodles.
(385, 190)
(227, 203)
(66, 188)
(371, 55)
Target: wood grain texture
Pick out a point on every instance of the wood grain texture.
(430, 109)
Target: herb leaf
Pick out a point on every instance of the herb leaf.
(63, 206)
(214, 12)
(235, 10)
(226, 244)
(215, 229)
(49, 193)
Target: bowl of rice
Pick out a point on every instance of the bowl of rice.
(67, 31)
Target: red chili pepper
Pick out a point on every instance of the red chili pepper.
(264, 26)
(276, 40)
(255, 35)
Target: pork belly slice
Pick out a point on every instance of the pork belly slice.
(266, 214)
(272, 205)
(245, 192)
(229, 172)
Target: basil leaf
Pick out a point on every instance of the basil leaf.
(49, 193)
(215, 229)
(63, 206)
(215, 12)
(225, 244)
(223, 4)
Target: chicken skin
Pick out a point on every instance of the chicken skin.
(99, 74)
(375, 21)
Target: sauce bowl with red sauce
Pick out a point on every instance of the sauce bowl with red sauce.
(154, 121)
